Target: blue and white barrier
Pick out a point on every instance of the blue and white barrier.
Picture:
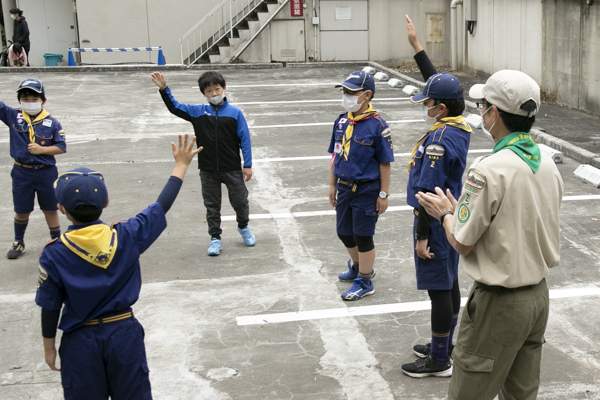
(161, 57)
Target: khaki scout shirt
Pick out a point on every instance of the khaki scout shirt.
(510, 215)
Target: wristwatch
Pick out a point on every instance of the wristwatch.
(383, 195)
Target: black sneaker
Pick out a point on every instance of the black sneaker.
(16, 251)
(427, 366)
(423, 350)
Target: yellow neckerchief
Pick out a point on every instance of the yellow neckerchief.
(96, 244)
(457, 122)
(350, 129)
(41, 116)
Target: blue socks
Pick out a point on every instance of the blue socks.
(20, 227)
(365, 277)
(55, 232)
(439, 346)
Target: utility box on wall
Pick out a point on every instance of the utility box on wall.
(470, 7)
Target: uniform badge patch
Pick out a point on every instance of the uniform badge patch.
(463, 213)
(386, 132)
(43, 273)
(47, 122)
(435, 150)
(475, 181)
(61, 133)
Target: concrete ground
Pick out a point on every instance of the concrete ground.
(268, 322)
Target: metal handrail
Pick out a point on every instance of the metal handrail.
(216, 25)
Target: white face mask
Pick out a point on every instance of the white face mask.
(13, 16)
(483, 128)
(350, 103)
(32, 108)
(425, 112)
(216, 100)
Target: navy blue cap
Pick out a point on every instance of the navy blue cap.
(81, 186)
(359, 80)
(32, 84)
(439, 86)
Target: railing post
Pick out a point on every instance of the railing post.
(230, 19)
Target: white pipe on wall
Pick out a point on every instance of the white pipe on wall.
(453, 30)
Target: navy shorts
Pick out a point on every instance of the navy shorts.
(440, 272)
(105, 360)
(356, 212)
(26, 182)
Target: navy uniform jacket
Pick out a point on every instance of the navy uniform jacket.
(371, 145)
(221, 130)
(439, 161)
(49, 132)
(88, 291)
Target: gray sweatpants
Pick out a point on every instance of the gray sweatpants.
(211, 194)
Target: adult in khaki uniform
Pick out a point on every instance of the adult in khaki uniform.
(505, 226)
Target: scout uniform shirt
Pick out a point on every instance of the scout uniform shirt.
(100, 275)
(510, 214)
(369, 144)
(41, 129)
(439, 159)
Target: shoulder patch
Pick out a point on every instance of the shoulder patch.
(475, 180)
(43, 273)
(435, 150)
(463, 213)
(61, 133)
(386, 132)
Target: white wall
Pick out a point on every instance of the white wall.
(138, 23)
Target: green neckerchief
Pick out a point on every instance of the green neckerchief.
(523, 146)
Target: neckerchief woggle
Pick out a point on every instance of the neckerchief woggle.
(96, 244)
(352, 120)
(41, 116)
(457, 122)
(522, 145)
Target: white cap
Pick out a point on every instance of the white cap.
(509, 90)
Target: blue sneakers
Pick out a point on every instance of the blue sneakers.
(215, 247)
(352, 274)
(358, 290)
(247, 236)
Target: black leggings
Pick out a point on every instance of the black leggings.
(444, 304)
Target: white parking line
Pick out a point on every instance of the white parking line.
(382, 309)
(288, 85)
(402, 121)
(313, 101)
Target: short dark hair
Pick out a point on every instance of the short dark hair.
(17, 48)
(210, 78)
(25, 92)
(85, 213)
(16, 11)
(517, 123)
(455, 106)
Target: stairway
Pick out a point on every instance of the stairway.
(226, 29)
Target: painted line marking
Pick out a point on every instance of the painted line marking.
(382, 309)
(289, 85)
(403, 121)
(301, 214)
(313, 101)
(329, 157)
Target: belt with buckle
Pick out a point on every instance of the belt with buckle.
(111, 318)
(30, 166)
(354, 184)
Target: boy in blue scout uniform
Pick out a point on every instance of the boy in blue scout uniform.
(438, 160)
(94, 270)
(222, 130)
(35, 138)
(361, 148)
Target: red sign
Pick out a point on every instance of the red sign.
(296, 7)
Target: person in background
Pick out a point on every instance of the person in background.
(17, 57)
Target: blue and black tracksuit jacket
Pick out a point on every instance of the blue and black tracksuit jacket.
(222, 131)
